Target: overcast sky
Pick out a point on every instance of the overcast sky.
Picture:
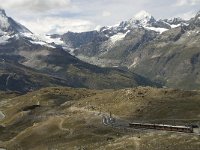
(60, 16)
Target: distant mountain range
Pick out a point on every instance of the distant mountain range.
(140, 51)
(165, 51)
(29, 62)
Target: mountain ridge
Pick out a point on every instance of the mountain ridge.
(133, 42)
(24, 49)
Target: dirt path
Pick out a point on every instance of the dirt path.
(60, 125)
(73, 108)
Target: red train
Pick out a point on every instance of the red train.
(161, 127)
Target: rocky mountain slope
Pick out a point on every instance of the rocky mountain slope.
(165, 50)
(116, 42)
(16, 77)
(172, 57)
(21, 49)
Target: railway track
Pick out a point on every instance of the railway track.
(124, 125)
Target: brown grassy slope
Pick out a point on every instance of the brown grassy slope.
(70, 119)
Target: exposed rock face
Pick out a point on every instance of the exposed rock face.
(27, 59)
(172, 57)
(110, 46)
(7, 24)
(163, 50)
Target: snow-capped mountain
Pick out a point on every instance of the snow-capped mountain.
(132, 45)
(143, 40)
(143, 16)
(99, 43)
(11, 30)
(144, 20)
(29, 61)
(8, 25)
(196, 20)
(143, 27)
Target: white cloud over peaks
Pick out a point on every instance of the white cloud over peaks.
(49, 16)
(106, 14)
(187, 15)
(56, 25)
(187, 2)
(35, 5)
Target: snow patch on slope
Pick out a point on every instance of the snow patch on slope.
(48, 39)
(175, 26)
(4, 39)
(156, 56)
(118, 37)
(160, 30)
(4, 24)
(135, 63)
(38, 39)
(42, 43)
(142, 15)
(69, 49)
(58, 41)
(141, 19)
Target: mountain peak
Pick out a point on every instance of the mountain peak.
(2, 12)
(4, 21)
(198, 14)
(142, 18)
(142, 15)
(8, 25)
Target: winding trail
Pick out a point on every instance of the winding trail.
(61, 125)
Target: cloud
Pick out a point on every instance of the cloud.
(106, 14)
(187, 15)
(48, 16)
(187, 2)
(35, 5)
(98, 27)
(56, 25)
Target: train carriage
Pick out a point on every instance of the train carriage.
(161, 127)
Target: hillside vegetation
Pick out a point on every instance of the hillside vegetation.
(67, 118)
